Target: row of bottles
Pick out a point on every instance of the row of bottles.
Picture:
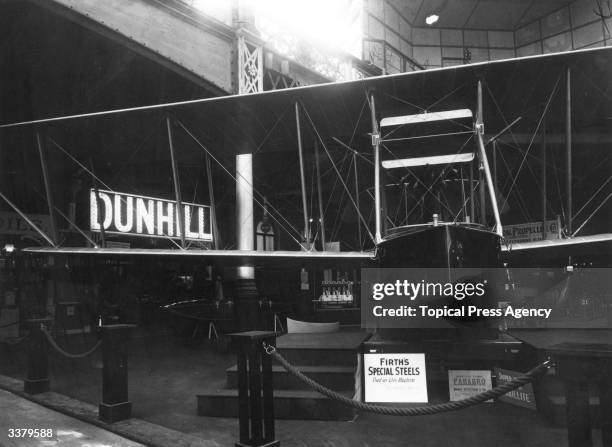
(337, 292)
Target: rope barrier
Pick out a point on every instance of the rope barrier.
(9, 324)
(412, 411)
(13, 342)
(53, 343)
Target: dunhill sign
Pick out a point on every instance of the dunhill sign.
(134, 215)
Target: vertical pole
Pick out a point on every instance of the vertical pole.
(247, 306)
(481, 195)
(213, 208)
(115, 405)
(472, 210)
(255, 389)
(177, 184)
(481, 183)
(45, 173)
(357, 196)
(376, 145)
(243, 397)
(463, 198)
(302, 176)
(568, 149)
(320, 194)
(544, 192)
(97, 197)
(495, 183)
(37, 377)
(485, 163)
(268, 396)
(255, 395)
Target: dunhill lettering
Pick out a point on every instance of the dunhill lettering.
(121, 213)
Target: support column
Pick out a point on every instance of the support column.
(246, 291)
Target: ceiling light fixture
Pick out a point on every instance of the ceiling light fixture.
(431, 19)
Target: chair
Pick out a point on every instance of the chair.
(307, 327)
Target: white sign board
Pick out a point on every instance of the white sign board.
(532, 231)
(522, 396)
(395, 378)
(467, 383)
(13, 223)
(129, 214)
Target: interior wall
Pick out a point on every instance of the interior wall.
(394, 44)
(570, 28)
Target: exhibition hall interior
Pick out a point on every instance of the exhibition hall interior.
(346, 223)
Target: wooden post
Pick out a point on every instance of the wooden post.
(255, 389)
(115, 405)
(37, 376)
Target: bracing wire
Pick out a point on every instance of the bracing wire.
(90, 172)
(257, 201)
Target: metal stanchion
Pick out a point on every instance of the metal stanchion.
(37, 377)
(115, 405)
(255, 389)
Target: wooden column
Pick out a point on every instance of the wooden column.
(255, 389)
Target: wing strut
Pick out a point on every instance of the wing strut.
(376, 146)
(51, 207)
(29, 222)
(346, 188)
(485, 162)
(177, 184)
(302, 176)
(568, 148)
(320, 194)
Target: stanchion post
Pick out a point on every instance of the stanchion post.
(115, 405)
(255, 389)
(37, 376)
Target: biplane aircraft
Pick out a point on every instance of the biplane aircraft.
(440, 158)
